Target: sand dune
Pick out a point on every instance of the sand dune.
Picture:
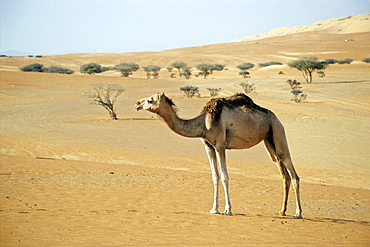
(344, 25)
(70, 176)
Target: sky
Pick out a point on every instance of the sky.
(121, 26)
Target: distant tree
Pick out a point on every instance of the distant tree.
(206, 69)
(330, 61)
(106, 96)
(345, 61)
(307, 65)
(126, 69)
(366, 60)
(269, 64)
(35, 67)
(178, 66)
(152, 70)
(186, 71)
(244, 67)
(214, 91)
(248, 87)
(59, 70)
(91, 68)
(245, 74)
(190, 91)
(105, 68)
(219, 67)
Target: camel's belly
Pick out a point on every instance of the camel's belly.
(242, 143)
(237, 139)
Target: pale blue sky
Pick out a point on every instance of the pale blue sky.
(71, 26)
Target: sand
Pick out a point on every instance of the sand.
(70, 176)
(342, 25)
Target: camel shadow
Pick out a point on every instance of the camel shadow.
(315, 219)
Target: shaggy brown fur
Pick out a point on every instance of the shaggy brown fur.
(214, 106)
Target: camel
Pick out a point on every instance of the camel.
(235, 122)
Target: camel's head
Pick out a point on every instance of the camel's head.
(151, 103)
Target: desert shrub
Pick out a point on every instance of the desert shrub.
(219, 67)
(91, 68)
(345, 61)
(178, 66)
(190, 91)
(126, 69)
(186, 71)
(330, 61)
(35, 67)
(247, 87)
(152, 70)
(298, 95)
(106, 96)
(206, 69)
(105, 68)
(366, 60)
(245, 66)
(245, 74)
(59, 70)
(214, 91)
(269, 64)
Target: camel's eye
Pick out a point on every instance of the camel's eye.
(150, 100)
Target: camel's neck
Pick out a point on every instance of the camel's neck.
(189, 128)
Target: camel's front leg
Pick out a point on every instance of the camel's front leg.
(215, 176)
(221, 158)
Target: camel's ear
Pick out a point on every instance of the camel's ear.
(162, 94)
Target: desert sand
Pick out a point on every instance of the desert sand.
(70, 176)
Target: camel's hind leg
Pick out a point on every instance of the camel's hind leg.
(284, 173)
(287, 162)
(280, 155)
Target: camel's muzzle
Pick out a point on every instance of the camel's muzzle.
(139, 105)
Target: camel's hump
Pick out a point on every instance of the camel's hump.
(215, 105)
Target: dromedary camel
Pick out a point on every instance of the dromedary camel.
(235, 122)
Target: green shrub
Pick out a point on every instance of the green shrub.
(330, 61)
(366, 60)
(345, 61)
(190, 91)
(179, 66)
(59, 70)
(152, 70)
(245, 66)
(91, 68)
(35, 67)
(186, 71)
(126, 69)
(269, 64)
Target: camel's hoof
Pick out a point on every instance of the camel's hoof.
(297, 216)
(228, 213)
(213, 212)
(281, 213)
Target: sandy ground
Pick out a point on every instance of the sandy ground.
(72, 177)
